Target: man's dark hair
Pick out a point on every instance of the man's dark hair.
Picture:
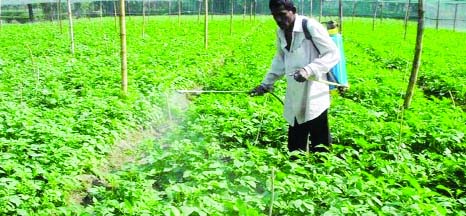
(276, 4)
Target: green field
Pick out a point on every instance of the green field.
(71, 144)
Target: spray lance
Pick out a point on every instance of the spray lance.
(223, 92)
(248, 92)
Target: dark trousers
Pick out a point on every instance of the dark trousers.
(316, 130)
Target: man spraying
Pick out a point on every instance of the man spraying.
(303, 63)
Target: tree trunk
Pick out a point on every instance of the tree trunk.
(417, 56)
(124, 66)
(70, 21)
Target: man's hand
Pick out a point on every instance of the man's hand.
(300, 75)
(259, 91)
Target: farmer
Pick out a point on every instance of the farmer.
(301, 62)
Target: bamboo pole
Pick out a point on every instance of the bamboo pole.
(212, 9)
(255, 9)
(456, 15)
(199, 11)
(438, 14)
(340, 15)
(231, 15)
(34, 68)
(59, 15)
(0, 14)
(71, 32)
(179, 12)
(115, 13)
(311, 7)
(244, 10)
(406, 18)
(417, 56)
(169, 7)
(101, 11)
(302, 6)
(321, 9)
(381, 10)
(251, 6)
(124, 66)
(375, 14)
(143, 18)
(206, 24)
(272, 180)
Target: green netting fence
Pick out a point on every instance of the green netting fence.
(438, 14)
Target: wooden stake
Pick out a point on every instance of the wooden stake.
(417, 56)
(70, 20)
(124, 73)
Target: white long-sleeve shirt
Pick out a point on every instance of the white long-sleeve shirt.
(306, 100)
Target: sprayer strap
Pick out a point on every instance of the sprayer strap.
(308, 35)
